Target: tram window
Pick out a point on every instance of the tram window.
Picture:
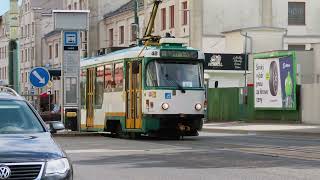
(152, 75)
(108, 77)
(119, 76)
(180, 74)
(83, 87)
(99, 87)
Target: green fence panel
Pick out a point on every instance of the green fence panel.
(223, 105)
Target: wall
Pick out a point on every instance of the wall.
(226, 15)
(311, 88)
(224, 105)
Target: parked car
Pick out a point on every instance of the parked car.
(28, 150)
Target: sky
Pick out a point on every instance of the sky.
(4, 6)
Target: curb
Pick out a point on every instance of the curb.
(77, 134)
(290, 133)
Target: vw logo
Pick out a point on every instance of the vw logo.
(5, 172)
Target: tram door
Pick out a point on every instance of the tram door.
(90, 97)
(134, 95)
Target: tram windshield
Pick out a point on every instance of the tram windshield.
(163, 73)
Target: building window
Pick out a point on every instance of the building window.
(75, 6)
(296, 13)
(121, 31)
(29, 30)
(26, 55)
(85, 36)
(32, 53)
(22, 56)
(295, 47)
(33, 28)
(25, 31)
(134, 32)
(163, 19)
(171, 16)
(56, 50)
(21, 33)
(110, 37)
(50, 52)
(185, 13)
(69, 7)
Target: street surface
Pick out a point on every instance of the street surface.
(207, 157)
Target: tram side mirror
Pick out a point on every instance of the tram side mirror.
(55, 126)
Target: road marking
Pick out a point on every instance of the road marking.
(100, 151)
(78, 151)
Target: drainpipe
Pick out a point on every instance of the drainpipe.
(283, 37)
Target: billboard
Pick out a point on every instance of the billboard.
(233, 62)
(275, 81)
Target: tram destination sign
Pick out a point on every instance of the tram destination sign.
(179, 54)
(233, 62)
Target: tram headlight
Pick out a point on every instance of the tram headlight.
(165, 106)
(198, 107)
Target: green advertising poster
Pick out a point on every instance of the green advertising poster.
(275, 81)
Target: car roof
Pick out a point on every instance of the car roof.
(7, 93)
(5, 96)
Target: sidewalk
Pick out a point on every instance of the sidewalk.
(276, 129)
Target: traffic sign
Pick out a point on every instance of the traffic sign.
(39, 77)
(70, 38)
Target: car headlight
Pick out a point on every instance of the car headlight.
(57, 167)
(165, 106)
(198, 107)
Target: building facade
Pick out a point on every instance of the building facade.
(34, 24)
(211, 18)
(119, 27)
(8, 46)
(4, 49)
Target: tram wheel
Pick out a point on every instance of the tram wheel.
(134, 135)
(118, 131)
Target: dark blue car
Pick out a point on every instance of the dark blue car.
(27, 149)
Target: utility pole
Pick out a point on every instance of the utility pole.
(136, 19)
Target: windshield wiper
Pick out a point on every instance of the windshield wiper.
(177, 84)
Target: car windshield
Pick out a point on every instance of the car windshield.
(183, 74)
(16, 117)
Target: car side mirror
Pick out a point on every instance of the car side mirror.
(55, 126)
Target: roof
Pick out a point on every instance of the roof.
(125, 8)
(254, 29)
(52, 33)
(46, 5)
(134, 52)
(121, 54)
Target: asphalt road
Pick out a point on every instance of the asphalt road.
(207, 157)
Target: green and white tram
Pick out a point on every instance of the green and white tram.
(156, 90)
